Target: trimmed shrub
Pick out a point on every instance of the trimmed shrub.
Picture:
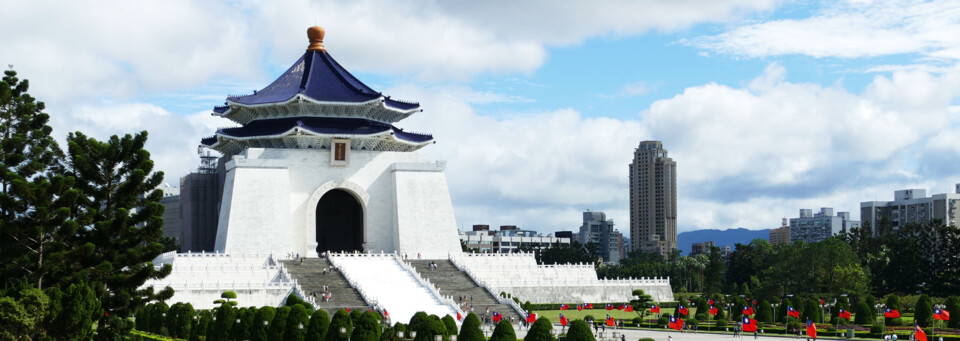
(953, 304)
(418, 319)
(297, 323)
(579, 331)
(540, 331)
(764, 312)
(865, 315)
(319, 323)
(279, 324)
(341, 320)
(588, 318)
(264, 314)
(450, 325)
(368, 329)
(470, 330)
(203, 324)
(504, 332)
(433, 326)
(893, 302)
(663, 320)
(923, 311)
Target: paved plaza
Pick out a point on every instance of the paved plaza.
(661, 335)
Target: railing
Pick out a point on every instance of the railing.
(373, 301)
(297, 290)
(502, 300)
(216, 284)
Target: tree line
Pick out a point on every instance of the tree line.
(78, 227)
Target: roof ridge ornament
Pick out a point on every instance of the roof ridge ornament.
(315, 34)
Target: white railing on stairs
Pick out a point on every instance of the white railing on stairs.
(502, 300)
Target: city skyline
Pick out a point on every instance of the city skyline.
(768, 106)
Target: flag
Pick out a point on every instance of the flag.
(844, 314)
(811, 329)
(713, 310)
(940, 314)
(579, 307)
(609, 306)
(628, 309)
(563, 320)
(920, 335)
(754, 302)
(610, 321)
(386, 314)
(458, 316)
(531, 317)
(564, 307)
(497, 317)
(683, 310)
(347, 309)
(621, 307)
(821, 301)
(654, 309)
(749, 324)
(588, 305)
(793, 312)
(710, 302)
(748, 310)
(676, 323)
(891, 313)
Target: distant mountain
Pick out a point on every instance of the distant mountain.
(719, 237)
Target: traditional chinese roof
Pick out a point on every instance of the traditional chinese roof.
(315, 133)
(316, 85)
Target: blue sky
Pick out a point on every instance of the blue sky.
(767, 106)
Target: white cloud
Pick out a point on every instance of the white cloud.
(850, 30)
(629, 90)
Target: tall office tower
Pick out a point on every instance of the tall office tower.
(653, 199)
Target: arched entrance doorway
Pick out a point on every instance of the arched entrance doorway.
(339, 222)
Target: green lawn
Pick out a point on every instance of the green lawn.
(574, 314)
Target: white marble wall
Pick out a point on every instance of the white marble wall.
(271, 195)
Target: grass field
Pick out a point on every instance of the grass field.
(573, 314)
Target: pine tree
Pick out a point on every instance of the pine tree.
(35, 197)
(297, 323)
(340, 320)
(79, 308)
(923, 314)
(260, 329)
(121, 216)
(368, 328)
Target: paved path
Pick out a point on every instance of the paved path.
(634, 334)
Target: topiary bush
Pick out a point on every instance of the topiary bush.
(540, 331)
(663, 320)
(953, 304)
(865, 315)
(470, 330)
(588, 318)
(297, 323)
(504, 332)
(433, 326)
(258, 330)
(341, 320)
(368, 329)
(279, 324)
(579, 331)
(923, 314)
(319, 324)
(450, 324)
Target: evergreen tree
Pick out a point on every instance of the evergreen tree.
(504, 332)
(450, 325)
(953, 304)
(923, 312)
(36, 226)
(641, 304)
(368, 329)
(764, 312)
(893, 302)
(121, 215)
(418, 319)
(470, 330)
(341, 326)
(203, 324)
(430, 328)
(811, 311)
(540, 331)
(865, 315)
(279, 324)
(260, 329)
(297, 323)
(579, 331)
(79, 308)
(319, 323)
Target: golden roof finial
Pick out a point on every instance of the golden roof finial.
(315, 34)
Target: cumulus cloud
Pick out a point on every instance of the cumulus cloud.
(850, 30)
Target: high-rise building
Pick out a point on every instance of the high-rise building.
(912, 206)
(812, 228)
(780, 235)
(653, 199)
(598, 230)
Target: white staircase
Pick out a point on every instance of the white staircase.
(389, 283)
